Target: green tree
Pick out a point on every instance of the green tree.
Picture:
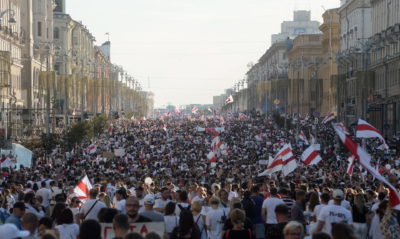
(49, 142)
(99, 124)
(77, 134)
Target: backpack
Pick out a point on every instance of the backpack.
(185, 209)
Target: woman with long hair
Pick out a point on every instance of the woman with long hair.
(359, 213)
(187, 228)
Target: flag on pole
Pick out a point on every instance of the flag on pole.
(229, 100)
(278, 162)
(194, 110)
(82, 189)
(365, 160)
(328, 118)
(310, 156)
(303, 137)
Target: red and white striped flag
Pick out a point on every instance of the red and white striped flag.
(366, 130)
(346, 131)
(229, 100)
(194, 110)
(365, 161)
(91, 149)
(82, 189)
(328, 118)
(310, 156)
(350, 168)
(212, 157)
(303, 137)
(282, 160)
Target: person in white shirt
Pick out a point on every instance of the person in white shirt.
(66, 226)
(45, 193)
(268, 207)
(121, 196)
(335, 213)
(183, 203)
(33, 206)
(215, 220)
(162, 202)
(91, 207)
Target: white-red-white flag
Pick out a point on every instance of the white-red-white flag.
(210, 110)
(143, 119)
(365, 161)
(289, 161)
(229, 100)
(345, 130)
(274, 165)
(91, 149)
(350, 168)
(194, 110)
(177, 111)
(281, 159)
(310, 156)
(303, 137)
(328, 118)
(366, 130)
(212, 157)
(82, 189)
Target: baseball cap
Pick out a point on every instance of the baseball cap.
(338, 194)
(10, 231)
(19, 205)
(149, 199)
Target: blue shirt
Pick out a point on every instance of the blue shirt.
(258, 218)
(14, 220)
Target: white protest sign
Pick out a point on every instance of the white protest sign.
(119, 152)
(263, 162)
(141, 228)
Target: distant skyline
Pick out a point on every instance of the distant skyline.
(187, 51)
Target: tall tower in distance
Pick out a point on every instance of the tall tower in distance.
(60, 6)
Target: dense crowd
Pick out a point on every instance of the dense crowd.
(161, 173)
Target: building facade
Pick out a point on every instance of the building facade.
(355, 82)
(11, 45)
(384, 99)
(301, 24)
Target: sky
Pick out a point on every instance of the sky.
(187, 51)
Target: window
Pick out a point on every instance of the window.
(39, 29)
(56, 33)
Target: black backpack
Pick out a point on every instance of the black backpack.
(185, 209)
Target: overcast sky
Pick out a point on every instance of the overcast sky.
(187, 51)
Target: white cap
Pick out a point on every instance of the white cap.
(149, 199)
(338, 194)
(10, 231)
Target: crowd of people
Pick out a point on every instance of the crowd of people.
(161, 174)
